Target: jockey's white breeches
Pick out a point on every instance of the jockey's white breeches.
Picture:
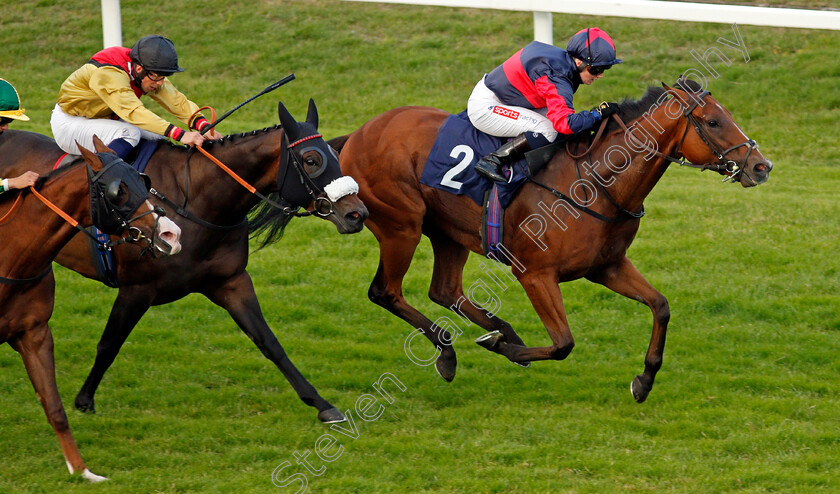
(489, 115)
(67, 130)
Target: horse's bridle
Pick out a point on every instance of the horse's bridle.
(317, 194)
(98, 196)
(133, 234)
(731, 168)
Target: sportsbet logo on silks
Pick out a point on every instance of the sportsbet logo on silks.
(505, 112)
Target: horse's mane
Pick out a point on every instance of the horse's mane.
(262, 218)
(230, 138)
(630, 109)
(10, 196)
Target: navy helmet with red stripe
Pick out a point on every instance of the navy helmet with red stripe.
(594, 47)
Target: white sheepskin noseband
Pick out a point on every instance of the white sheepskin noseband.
(340, 187)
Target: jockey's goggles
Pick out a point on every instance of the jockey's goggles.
(598, 70)
(155, 77)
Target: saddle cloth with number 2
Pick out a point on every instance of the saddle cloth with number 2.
(457, 149)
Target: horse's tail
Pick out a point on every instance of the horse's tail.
(338, 142)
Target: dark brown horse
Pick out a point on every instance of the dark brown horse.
(574, 219)
(31, 235)
(290, 165)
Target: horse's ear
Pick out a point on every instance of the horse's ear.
(312, 114)
(290, 125)
(672, 91)
(91, 157)
(100, 146)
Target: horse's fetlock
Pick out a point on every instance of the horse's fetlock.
(653, 364)
(441, 298)
(560, 352)
(380, 297)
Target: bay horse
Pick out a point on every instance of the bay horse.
(291, 166)
(556, 229)
(31, 235)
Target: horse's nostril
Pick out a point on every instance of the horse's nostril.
(760, 167)
(168, 237)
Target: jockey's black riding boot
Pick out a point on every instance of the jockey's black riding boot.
(490, 166)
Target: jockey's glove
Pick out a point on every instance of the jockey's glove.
(607, 109)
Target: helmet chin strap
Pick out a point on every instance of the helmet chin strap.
(135, 77)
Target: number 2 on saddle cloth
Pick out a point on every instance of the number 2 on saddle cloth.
(449, 167)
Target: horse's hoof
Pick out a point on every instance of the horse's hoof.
(331, 416)
(639, 390)
(92, 477)
(446, 368)
(522, 364)
(84, 405)
(490, 341)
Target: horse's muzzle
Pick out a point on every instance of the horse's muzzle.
(756, 173)
(167, 239)
(350, 214)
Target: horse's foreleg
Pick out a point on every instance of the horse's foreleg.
(545, 296)
(385, 290)
(128, 308)
(36, 349)
(447, 287)
(623, 278)
(237, 296)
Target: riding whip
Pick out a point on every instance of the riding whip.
(270, 88)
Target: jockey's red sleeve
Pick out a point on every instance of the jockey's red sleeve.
(199, 123)
(174, 133)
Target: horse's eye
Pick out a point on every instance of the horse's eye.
(713, 123)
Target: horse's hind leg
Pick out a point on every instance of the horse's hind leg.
(131, 303)
(624, 279)
(395, 253)
(447, 287)
(237, 296)
(36, 349)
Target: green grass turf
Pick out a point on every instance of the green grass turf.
(747, 399)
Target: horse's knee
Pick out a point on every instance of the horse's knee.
(661, 310)
(57, 417)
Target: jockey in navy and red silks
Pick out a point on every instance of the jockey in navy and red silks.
(102, 98)
(529, 96)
